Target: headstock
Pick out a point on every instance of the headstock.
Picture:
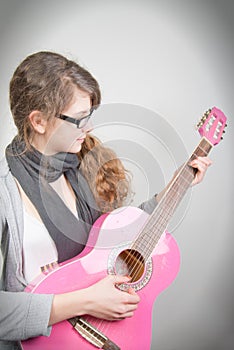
(212, 124)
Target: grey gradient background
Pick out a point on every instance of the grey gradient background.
(170, 57)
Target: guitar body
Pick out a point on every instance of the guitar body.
(111, 234)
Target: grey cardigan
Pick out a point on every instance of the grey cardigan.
(22, 315)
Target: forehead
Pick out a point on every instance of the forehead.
(80, 102)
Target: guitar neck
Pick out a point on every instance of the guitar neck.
(159, 219)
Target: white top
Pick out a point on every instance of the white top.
(39, 248)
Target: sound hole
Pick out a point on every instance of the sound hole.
(130, 263)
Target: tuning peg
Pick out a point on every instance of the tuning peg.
(208, 112)
(198, 125)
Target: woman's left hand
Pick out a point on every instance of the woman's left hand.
(201, 164)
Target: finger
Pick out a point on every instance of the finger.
(117, 279)
(131, 291)
(206, 160)
(199, 176)
(131, 308)
(132, 299)
(128, 313)
(203, 161)
(200, 167)
(195, 163)
(121, 317)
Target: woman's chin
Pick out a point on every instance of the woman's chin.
(75, 147)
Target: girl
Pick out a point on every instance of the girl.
(56, 179)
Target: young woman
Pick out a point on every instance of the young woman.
(56, 179)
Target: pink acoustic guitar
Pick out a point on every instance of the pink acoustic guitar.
(126, 241)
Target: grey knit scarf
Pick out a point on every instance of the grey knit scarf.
(35, 172)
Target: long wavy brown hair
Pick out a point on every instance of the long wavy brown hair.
(45, 81)
(105, 173)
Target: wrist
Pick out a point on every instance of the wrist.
(79, 301)
(68, 305)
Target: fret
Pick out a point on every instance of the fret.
(185, 179)
(158, 220)
(177, 192)
(203, 148)
(203, 151)
(144, 243)
(148, 239)
(153, 235)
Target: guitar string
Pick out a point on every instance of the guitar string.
(159, 229)
(157, 212)
(153, 232)
(135, 268)
(186, 171)
(205, 152)
(160, 212)
(162, 225)
(132, 268)
(178, 199)
(102, 326)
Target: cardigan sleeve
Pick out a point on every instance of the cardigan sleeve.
(24, 315)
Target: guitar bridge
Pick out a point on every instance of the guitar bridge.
(92, 334)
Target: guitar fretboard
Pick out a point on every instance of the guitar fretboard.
(159, 219)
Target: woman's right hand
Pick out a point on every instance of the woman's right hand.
(102, 300)
(106, 301)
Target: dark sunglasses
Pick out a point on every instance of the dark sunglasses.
(80, 123)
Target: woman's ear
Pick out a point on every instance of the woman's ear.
(38, 122)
